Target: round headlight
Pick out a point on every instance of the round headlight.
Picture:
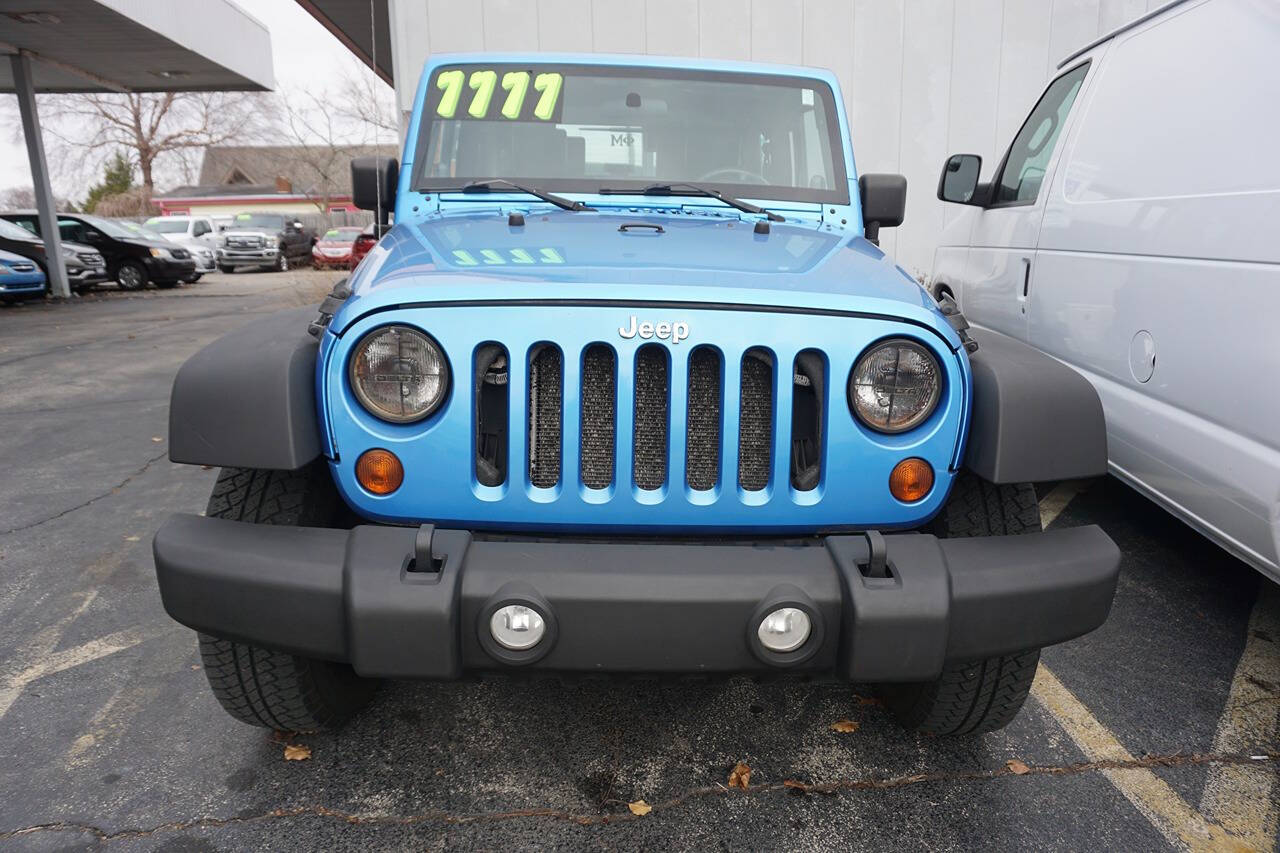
(895, 385)
(399, 374)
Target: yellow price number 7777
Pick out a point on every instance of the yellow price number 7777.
(484, 82)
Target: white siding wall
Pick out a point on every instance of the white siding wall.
(921, 78)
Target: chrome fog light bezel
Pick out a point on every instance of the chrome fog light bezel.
(786, 597)
(507, 622)
(767, 631)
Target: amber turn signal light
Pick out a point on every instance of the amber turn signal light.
(379, 471)
(911, 480)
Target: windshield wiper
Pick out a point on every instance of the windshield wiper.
(558, 201)
(698, 189)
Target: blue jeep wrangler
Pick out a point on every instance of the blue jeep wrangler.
(629, 388)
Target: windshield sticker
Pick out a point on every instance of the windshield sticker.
(484, 101)
(502, 257)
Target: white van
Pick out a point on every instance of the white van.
(185, 229)
(1132, 230)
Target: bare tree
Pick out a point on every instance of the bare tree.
(364, 100)
(327, 136)
(153, 129)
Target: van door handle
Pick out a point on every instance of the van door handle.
(1026, 279)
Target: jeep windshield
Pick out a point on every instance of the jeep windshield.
(584, 128)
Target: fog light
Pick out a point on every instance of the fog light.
(517, 627)
(784, 630)
(379, 471)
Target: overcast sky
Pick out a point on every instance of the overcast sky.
(305, 55)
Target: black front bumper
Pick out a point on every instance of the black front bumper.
(169, 269)
(405, 602)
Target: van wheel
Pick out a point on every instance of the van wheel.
(267, 687)
(973, 697)
(225, 268)
(131, 276)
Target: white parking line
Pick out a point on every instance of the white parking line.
(1239, 798)
(1238, 802)
(1180, 824)
(68, 658)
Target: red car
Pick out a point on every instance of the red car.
(367, 240)
(334, 249)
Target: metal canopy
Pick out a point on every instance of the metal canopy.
(361, 25)
(136, 46)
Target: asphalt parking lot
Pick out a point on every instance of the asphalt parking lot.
(1157, 731)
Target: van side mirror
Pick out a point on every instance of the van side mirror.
(959, 181)
(884, 203)
(373, 185)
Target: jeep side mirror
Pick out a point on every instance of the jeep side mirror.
(884, 203)
(959, 181)
(373, 185)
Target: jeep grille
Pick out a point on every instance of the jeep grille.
(652, 407)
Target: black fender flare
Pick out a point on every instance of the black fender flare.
(1034, 419)
(247, 400)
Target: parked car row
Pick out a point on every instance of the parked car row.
(132, 258)
(85, 265)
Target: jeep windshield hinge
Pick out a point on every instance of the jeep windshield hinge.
(956, 319)
(329, 307)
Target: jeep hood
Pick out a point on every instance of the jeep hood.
(696, 257)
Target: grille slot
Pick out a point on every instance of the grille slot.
(808, 378)
(702, 444)
(649, 459)
(492, 402)
(546, 392)
(755, 420)
(599, 418)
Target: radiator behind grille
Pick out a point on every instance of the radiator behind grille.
(546, 392)
(599, 418)
(755, 420)
(652, 387)
(702, 446)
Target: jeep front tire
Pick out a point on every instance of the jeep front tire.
(265, 687)
(973, 697)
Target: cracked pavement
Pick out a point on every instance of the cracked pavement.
(109, 737)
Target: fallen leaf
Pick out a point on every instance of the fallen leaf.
(1016, 767)
(792, 783)
(132, 538)
(157, 439)
(740, 776)
(640, 808)
(132, 337)
(296, 752)
(845, 726)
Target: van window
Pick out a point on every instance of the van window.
(1029, 154)
(201, 228)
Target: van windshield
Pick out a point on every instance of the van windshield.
(581, 128)
(271, 221)
(168, 226)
